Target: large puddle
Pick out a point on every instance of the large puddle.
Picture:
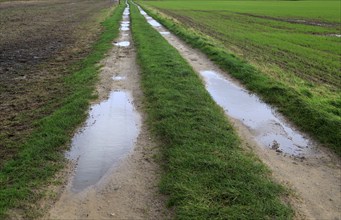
(149, 19)
(268, 127)
(265, 124)
(109, 134)
(122, 44)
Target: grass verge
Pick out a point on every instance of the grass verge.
(42, 154)
(207, 175)
(323, 127)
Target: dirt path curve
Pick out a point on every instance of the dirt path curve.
(315, 178)
(129, 190)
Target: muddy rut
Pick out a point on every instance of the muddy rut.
(115, 174)
(312, 172)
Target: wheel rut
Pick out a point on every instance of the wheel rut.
(115, 174)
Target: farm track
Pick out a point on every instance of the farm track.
(130, 188)
(314, 179)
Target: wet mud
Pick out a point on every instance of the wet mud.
(310, 170)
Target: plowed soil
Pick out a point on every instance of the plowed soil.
(39, 41)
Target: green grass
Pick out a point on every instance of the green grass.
(317, 10)
(292, 66)
(42, 154)
(207, 174)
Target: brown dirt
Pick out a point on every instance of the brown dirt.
(315, 181)
(129, 190)
(39, 40)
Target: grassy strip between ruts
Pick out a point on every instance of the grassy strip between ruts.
(289, 102)
(42, 154)
(207, 175)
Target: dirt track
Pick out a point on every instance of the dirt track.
(38, 42)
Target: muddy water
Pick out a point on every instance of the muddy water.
(267, 126)
(111, 129)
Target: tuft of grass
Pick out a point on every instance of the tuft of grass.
(42, 154)
(207, 174)
(322, 125)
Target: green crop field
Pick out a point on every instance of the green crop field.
(296, 44)
(316, 10)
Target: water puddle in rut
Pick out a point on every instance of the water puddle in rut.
(122, 44)
(109, 134)
(164, 32)
(118, 78)
(267, 126)
(149, 19)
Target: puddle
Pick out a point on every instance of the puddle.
(126, 11)
(118, 78)
(142, 12)
(164, 32)
(124, 28)
(268, 127)
(109, 134)
(154, 23)
(122, 44)
(150, 20)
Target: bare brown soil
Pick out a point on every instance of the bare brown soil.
(39, 40)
